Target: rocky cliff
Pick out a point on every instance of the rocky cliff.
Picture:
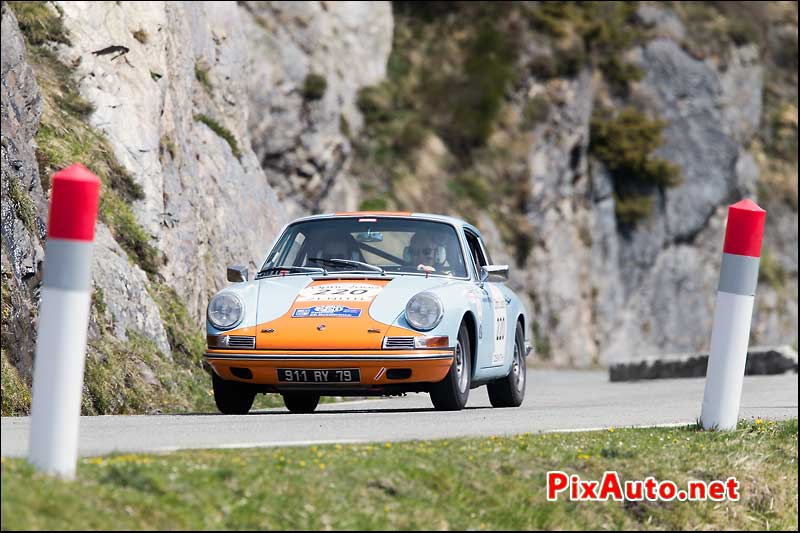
(212, 124)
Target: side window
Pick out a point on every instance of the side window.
(475, 251)
(486, 253)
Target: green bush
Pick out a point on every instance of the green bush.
(411, 137)
(632, 208)
(314, 87)
(553, 18)
(374, 204)
(476, 96)
(470, 184)
(605, 31)
(375, 104)
(625, 144)
(620, 74)
(570, 60)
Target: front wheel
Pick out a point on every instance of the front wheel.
(452, 392)
(232, 397)
(510, 391)
(300, 402)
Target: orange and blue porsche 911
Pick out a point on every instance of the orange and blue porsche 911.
(365, 304)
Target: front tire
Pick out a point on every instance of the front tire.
(452, 392)
(510, 391)
(300, 402)
(232, 397)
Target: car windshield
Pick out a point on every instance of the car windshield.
(394, 245)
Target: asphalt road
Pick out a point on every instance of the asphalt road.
(555, 400)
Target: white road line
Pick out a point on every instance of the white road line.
(240, 445)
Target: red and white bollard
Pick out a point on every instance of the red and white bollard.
(63, 322)
(730, 334)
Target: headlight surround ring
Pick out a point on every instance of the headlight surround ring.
(225, 310)
(424, 311)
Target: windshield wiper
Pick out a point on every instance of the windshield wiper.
(291, 268)
(334, 262)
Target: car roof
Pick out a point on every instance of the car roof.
(397, 214)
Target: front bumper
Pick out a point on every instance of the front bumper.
(426, 366)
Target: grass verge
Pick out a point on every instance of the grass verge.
(492, 483)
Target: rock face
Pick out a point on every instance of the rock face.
(234, 118)
(204, 207)
(602, 294)
(200, 86)
(711, 117)
(123, 286)
(301, 136)
(23, 206)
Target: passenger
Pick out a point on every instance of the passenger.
(333, 246)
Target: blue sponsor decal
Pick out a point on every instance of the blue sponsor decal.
(327, 311)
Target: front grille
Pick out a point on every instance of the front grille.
(398, 343)
(240, 341)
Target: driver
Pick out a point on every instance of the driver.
(426, 252)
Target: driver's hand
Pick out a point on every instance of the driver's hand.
(425, 268)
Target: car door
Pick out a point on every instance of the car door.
(505, 327)
(494, 307)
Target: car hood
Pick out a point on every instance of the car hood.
(303, 313)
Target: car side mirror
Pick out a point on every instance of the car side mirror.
(237, 274)
(494, 273)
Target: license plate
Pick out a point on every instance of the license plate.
(326, 375)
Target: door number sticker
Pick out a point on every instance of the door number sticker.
(500, 327)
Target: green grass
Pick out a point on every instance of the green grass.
(119, 217)
(39, 22)
(201, 74)
(222, 131)
(16, 396)
(115, 382)
(491, 483)
(22, 203)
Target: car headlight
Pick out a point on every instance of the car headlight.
(225, 310)
(424, 311)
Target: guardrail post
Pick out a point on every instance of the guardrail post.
(733, 312)
(63, 322)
